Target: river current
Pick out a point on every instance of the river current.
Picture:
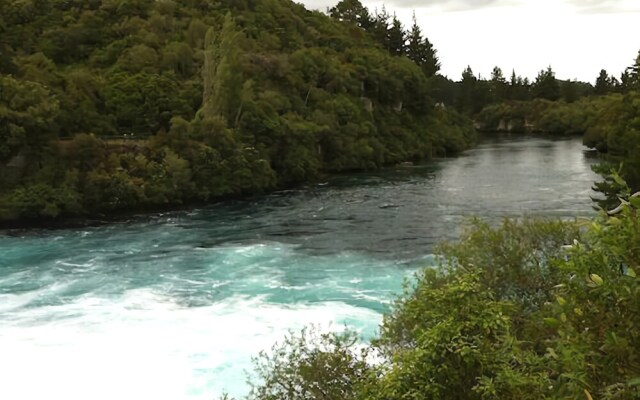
(173, 306)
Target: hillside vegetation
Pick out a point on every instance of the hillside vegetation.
(134, 104)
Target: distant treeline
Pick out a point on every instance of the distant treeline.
(472, 93)
(608, 117)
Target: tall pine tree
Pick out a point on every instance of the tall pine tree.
(604, 83)
(396, 38)
(421, 51)
(546, 85)
(380, 29)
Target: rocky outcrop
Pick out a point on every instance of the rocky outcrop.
(513, 125)
(368, 104)
(12, 170)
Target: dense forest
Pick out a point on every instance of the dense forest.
(137, 104)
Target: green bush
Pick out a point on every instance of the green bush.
(526, 310)
(313, 365)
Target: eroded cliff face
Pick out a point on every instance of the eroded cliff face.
(12, 170)
(514, 125)
(538, 116)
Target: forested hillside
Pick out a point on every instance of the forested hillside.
(134, 104)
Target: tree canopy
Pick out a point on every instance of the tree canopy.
(187, 101)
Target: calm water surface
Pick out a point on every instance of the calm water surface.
(174, 306)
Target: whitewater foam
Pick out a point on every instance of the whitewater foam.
(145, 345)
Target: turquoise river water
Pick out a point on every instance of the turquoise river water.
(173, 306)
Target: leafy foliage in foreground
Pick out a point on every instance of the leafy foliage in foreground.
(527, 310)
(314, 365)
(134, 104)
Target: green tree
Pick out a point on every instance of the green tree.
(421, 51)
(222, 72)
(381, 26)
(396, 37)
(467, 92)
(498, 84)
(313, 365)
(546, 85)
(519, 89)
(432, 63)
(28, 112)
(604, 83)
(569, 91)
(415, 50)
(634, 74)
(196, 33)
(352, 11)
(144, 103)
(178, 57)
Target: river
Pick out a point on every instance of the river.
(173, 306)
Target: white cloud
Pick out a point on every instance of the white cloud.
(604, 6)
(577, 38)
(446, 4)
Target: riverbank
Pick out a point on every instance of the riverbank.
(147, 177)
(131, 216)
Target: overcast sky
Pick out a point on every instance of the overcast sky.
(577, 38)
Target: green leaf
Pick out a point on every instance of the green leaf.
(617, 179)
(634, 382)
(631, 272)
(561, 301)
(635, 202)
(614, 221)
(552, 322)
(596, 279)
